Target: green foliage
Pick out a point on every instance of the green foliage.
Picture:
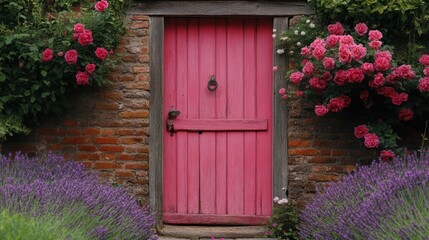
(23, 227)
(31, 87)
(284, 222)
(406, 22)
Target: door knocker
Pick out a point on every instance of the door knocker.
(212, 84)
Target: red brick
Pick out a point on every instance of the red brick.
(91, 131)
(140, 17)
(132, 140)
(142, 77)
(108, 156)
(137, 166)
(106, 106)
(322, 160)
(303, 152)
(107, 132)
(112, 148)
(87, 148)
(339, 153)
(106, 165)
(73, 131)
(126, 77)
(113, 95)
(322, 177)
(75, 140)
(124, 174)
(143, 69)
(133, 157)
(87, 164)
(136, 114)
(88, 156)
(139, 25)
(54, 147)
(299, 143)
(106, 140)
(124, 132)
(70, 123)
(51, 131)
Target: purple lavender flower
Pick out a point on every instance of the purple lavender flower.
(52, 186)
(380, 201)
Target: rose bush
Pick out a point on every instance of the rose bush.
(356, 72)
(56, 54)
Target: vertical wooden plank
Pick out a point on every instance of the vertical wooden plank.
(156, 32)
(207, 111)
(235, 104)
(221, 140)
(170, 170)
(249, 113)
(264, 139)
(193, 112)
(182, 105)
(280, 163)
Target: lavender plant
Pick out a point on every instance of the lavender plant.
(380, 201)
(53, 188)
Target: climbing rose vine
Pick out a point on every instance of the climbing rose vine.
(355, 71)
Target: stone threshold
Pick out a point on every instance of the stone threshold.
(170, 232)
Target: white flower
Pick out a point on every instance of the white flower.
(283, 188)
(291, 52)
(312, 25)
(274, 35)
(283, 201)
(274, 30)
(298, 44)
(284, 38)
(302, 33)
(308, 21)
(280, 51)
(308, 0)
(296, 32)
(276, 199)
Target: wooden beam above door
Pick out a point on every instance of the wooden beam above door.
(222, 8)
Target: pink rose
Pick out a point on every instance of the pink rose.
(317, 42)
(385, 54)
(375, 44)
(296, 77)
(320, 110)
(371, 140)
(405, 114)
(47, 55)
(317, 83)
(282, 91)
(355, 75)
(71, 56)
(336, 104)
(328, 63)
(285, 96)
(60, 54)
(379, 80)
(358, 52)
(361, 131)
(393, 77)
(340, 77)
(382, 64)
(332, 40)
(387, 91)
(101, 53)
(406, 72)
(308, 68)
(399, 98)
(424, 59)
(90, 68)
(364, 94)
(336, 29)
(326, 76)
(299, 93)
(319, 52)
(82, 78)
(426, 71)
(387, 155)
(101, 6)
(361, 29)
(347, 40)
(423, 84)
(78, 28)
(305, 51)
(85, 38)
(344, 54)
(367, 68)
(375, 35)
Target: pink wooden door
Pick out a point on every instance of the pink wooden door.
(218, 161)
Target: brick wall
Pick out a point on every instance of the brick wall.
(108, 130)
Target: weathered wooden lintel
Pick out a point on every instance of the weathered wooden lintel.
(222, 8)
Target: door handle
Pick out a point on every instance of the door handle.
(172, 114)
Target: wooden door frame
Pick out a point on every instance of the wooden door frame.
(157, 10)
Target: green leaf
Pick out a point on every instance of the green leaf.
(2, 77)
(33, 99)
(43, 73)
(45, 94)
